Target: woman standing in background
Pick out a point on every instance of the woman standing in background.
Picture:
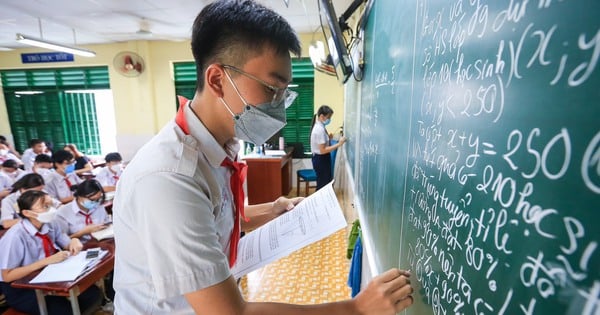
(319, 145)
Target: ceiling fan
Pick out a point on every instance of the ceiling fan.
(144, 32)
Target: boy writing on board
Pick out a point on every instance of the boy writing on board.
(177, 219)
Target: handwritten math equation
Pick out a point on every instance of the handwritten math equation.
(477, 201)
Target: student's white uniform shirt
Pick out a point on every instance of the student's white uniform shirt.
(10, 208)
(6, 181)
(28, 158)
(106, 177)
(9, 156)
(318, 136)
(71, 221)
(173, 217)
(57, 187)
(20, 247)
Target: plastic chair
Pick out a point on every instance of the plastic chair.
(305, 176)
(308, 175)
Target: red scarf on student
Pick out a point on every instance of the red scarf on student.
(236, 182)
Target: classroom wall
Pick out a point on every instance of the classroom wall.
(145, 103)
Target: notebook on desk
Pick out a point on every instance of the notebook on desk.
(69, 269)
(108, 232)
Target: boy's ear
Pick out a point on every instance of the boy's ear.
(213, 80)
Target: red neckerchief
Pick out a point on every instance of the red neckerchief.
(47, 244)
(236, 183)
(88, 217)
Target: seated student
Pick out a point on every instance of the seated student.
(36, 147)
(82, 162)
(11, 149)
(31, 246)
(9, 174)
(109, 174)
(42, 165)
(9, 210)
(85, 214)
(60, 182)
(5, 154)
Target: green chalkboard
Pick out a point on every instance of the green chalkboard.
(477, 161)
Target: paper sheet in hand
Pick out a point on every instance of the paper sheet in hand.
(67, 270)
(315, 218)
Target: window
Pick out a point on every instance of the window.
(55, 105)
(299, 114)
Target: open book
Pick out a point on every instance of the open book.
(69, 269)
(313, 219)
(108, 232)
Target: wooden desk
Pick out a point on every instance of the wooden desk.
(269, 177)
(72, 289)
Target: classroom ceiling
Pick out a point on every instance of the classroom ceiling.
(81, 22)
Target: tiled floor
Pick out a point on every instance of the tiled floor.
(314, 274)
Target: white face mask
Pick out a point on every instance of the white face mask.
(48, 216)
(3, 151)
(43, 171)
(116, 168)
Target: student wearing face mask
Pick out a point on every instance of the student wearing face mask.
(61, 183)
(43, 165)
(85, 214)
(37, 241)
(8, 176)
(6, 155)
(9, 209)
(82, 162)
(319, 145)
(36, 147)
(179, 207)
(109, 175)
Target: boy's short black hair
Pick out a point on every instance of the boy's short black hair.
(60, 156)
(113, 157)
(43, 158)
(231, 31)
(28, 199)
(33, 142)
(10, 163)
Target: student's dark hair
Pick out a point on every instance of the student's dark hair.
(232, 31)
(61, 156)
(2, 138)
(73, 147)
(10, 164)
(89, 188)
(43, 158)
(28, 181)
(113, 157)
(323, 110)
(28, 199)
(34, 142)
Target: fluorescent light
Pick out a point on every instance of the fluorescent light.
(28, 40)
(28, 92)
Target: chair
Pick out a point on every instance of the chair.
(308, 175)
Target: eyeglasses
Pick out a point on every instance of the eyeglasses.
(279, 94)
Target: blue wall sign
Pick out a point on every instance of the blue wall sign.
(46, 57)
